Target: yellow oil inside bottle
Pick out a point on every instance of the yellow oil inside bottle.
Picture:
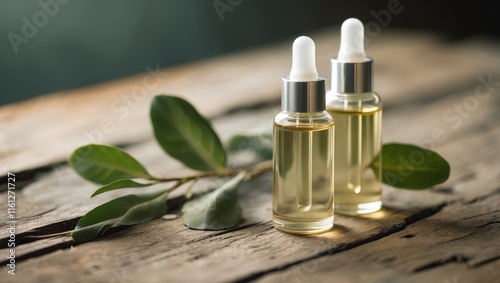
(358, 188)
(303, 178)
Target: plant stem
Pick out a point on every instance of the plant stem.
(187, 193)
(261, 167)
(253, 170)
(65, 233)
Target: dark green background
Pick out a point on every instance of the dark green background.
(92, 41)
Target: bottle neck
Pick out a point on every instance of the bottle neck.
(353, 102)
(351, 96)
(307, 120)
(304, 114)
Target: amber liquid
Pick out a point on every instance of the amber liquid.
(358, 188)
(303, 178)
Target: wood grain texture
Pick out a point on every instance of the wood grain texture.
(445, 234)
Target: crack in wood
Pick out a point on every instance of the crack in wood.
(483, 197)
(425, 213)
(53, 228)
(456, 239)
(474, 231)
(454, 258)
(40, 252)
(223, 232)
(408, 236)
(489, 223)
(486, 261)
(26, 177)
(444, 190)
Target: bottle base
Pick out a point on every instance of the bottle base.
(303, 227)
(357, 209)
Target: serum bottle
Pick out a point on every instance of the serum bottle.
(303, 140)
(357, 111)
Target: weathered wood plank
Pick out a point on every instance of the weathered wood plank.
(430, 79)
(255, 246)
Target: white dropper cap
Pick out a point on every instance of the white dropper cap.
(303, 60)
(352, 42)
(303, 91)
(352, 71)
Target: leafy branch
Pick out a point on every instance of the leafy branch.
(188, 137)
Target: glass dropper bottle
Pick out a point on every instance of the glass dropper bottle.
(303, 141)
(357, 111)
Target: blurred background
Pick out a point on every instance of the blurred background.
(52, 45)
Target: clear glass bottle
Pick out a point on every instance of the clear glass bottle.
(357, 111)
(303, 172)
(303, 141)
(358, 143)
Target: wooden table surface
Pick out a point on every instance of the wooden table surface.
(449, 233)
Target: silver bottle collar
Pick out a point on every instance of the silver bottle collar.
(303, 96)
(352, 77)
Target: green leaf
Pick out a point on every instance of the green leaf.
(104, 164)
(185, 135)
(124, 211)
(120, 184)
(216, 210)
(412, 167)
(258, 140)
